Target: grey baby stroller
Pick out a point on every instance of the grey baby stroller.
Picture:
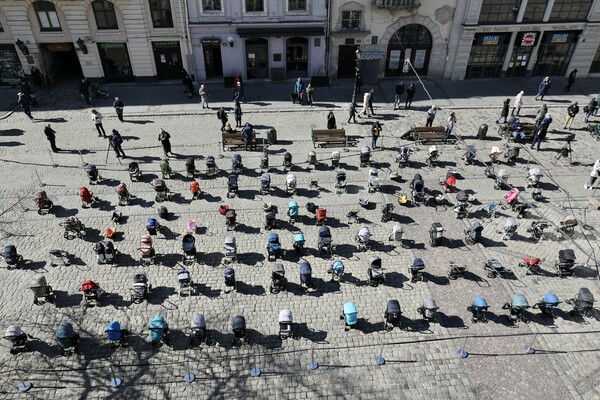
(232, 186)
(565, 263)
(428, 310)
(140, 288)
(197, 329)
(285, 324)
(278, 279)
(324, 242)
(211, 166)
(186, 284)
(238, 326)
(365, 157)
(436, 234)
(265, 184)
(456, 270)
(415, 270)
(42, 292)
(501, 182)
(470, 155)
(312, 159)
(73, 228)
(340, 182)
(188, 246)
(270, 220)
(509, 228)
(236, 164)
(403, 159)
(418, 189)
(583, 303)
(105, 252)
(375, 274)
(374, 184)
(363, 239)
(494, 268)
(162, 192)
(536, 229)
(473, 234)
(67, 339)
(17, 339)
(230, 250)
(392, 315)
(478, 309)
(11, 257)
(462, 205)
(93, 174)
(533, 180)
(517, 306)
(512, 153)
(229, 278)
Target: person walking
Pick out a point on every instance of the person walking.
(431, 115)
(371, 93)
(450, 124)
(504, 112)
(595, 112)
(593, 176)
(365, 109)
(399, 93)
(238, 94)
(23, 100)
(352, 112)
(572, 111)
(375, 133)
(203, 96)
(571, 80)
(84, 90)
(310, 90)
(237, 110)
(518, 103)
(589, 109)
(541, 131)
(544, 88)
(119, 106)
(165, 140)
(541, 113)
(410, 94)
(222, 115)
(116, 140)
(97, 118)
(299, 90)
(189, 86)
(51, 136)
(331, 123)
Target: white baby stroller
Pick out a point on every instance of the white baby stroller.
(397, 236)
(186, 284)
(495, 152)
(73, 228)
(533, 179)
(230, 250)
(363, 239)
(509, 228)
(285, 324)
(17, 339)
(265, 184)
(197, 329)
(365, 157)
(188, 246)
(501, 182)
(403, 159)
(428, 310)
(140, 288)
(290, 184)
(105, 252)
(41, 290)
(374, 185)
(375, 273)
(432, 156)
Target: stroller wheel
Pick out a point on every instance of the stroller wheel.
(66, 235)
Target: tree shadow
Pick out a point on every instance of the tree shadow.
(65, 300)
(252, 258)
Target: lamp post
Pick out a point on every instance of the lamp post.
(356, 76)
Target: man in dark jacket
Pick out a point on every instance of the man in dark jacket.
(540, 133)
(115, 141)
(23, 100)
(119, 106)
(222, 115)
(571, 79)
(399, 93)
(248, 134)
(572, 111)
(504, 112)
(237, 110)
(371, 101)
(51, 136)
(84, 89)
(410, 94)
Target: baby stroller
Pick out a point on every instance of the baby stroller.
(547, 305)
(17, 339)
(43, 204)
(501, 182)
(403, 159)
(375, 273)
(159, 330)
(211, 166)
(432, 156)
(462, 205)
(298, 242)
(264, 161)
(392, 315)
(11, 257)
(92, 174)
(188, 246)
(536, 229)
(190, 167)
(91, 293)
(41, 290)
(565, 263)
(236, 164)
(511, 200)
(583, 303)
(567, 225)
(374, 185)
(416, 270)
(87, 198)
(386, 211)
(320, 215)
(287, 161)
(153, 226)
(365, 157)
(324, 242)
(238, 326)
(312, 159)
(509, 228)
(490, 210)
(436, 234)
(162, 192)
(336, 269)
(165, 169)
(450, 181)
(134, 171)
(495, 152)
(230, 219)
(232, 186)
(270, 220)
(349, 315)
(494, 268)
(229, 280)
(531, 265)
(397, 235)
(186, 285)
(290, 184)
(265, 184)
(230, 249)
(428, 310)
(67, 339)
(293, 212)
(197, 329)
(418, 189)
(306, 276)
(285, 324)
(105, 252)
(195, 190)
(124, 195)
(517, 306)
(335, 159)
(512, 153)
(114, 334)
(146, 249)
(273, 247)
(73, 228)
(478, 309)
(533, 179)
(140, 288)
(470, 155)
(278, 279)
(340, 182)
(473, 234)
(363, 239)
(456, 270)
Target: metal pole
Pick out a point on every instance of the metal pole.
(52, 158)
(83, 163)
(42, 184)
(356, 75)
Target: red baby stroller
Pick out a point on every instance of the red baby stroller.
(532, 265)
(87, 198)
(91, 293)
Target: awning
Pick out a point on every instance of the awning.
(281, 31)
(372, 55)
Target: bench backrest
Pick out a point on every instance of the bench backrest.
(329, 132)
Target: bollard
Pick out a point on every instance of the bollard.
(461, 352)
(312, 364)
(255, 371)
(114, 381)
(189, 377)
(529, 349)
(25, 386)
(379, 360)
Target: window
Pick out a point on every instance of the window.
(211, 5)
(104, 11)
(595, 68)
(350, 19)
(161, 13)
(570, 10)
(47, 16)
(255, 6)
(535, 9)
(499, 11)
(1, 28)
(296, 5)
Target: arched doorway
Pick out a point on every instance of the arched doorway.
(296, 57)
(413, 42)
(257, 58)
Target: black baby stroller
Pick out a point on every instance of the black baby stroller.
(517, 306)
(232, 186)
(134, 171)
(140, 288)
(287, 161)
(270, 220)
(324, 242)
(264, 161)
(512, 153)
(436, 234)
(93, 174)
(428, 310)
(230, 219)
(67, 339)
(229, 279)
(265, 184)
(456, 270)
(375, 273)
(494, 268)
(43, 204)
(509, 228)
(236, 164)
(536, 229)
(501, 182)
(403, 159)
(211, 166)
(197, 329)
(273, 247)
(386, 211)
(365, 157)
(473, 234)
(190, 167)
(238, 326)
(462, 205)
(565, 263)
(418, 189)
(363, 239)
(285, 324)
(11, 257)
(17, 339)
(73, 228)
(229, 249)
(188, 246)
(186, 284)
(278, 279)
(392, 315)
(416, 270)
(583, 303)
(340, 182)
(41, 290)
(105, 252)
(162, 192)
(478, 309)
(306, 276)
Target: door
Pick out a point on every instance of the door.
(212, 60)
(167, 56)
(412, 42)
(519, 60)
(296, 56)
(555, 51)
(257, 58)
(347, 61)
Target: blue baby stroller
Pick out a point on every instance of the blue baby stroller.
(298, 242)
(306, 276)
(349, 315)
(152, 226)
(293, 212)
(325, 241)
(229, 277)
(336, 270)
(11, 257)
(478, 309)
(188, 246)
(273, 247)
(232, 186)
(67, 339)
(547, 305)
(159, 330)
(115, 335)
(517, 306)
(92, 172)
(265, 184)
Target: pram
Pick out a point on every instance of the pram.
(565, 263)
(490, 210)
(320, 215)
(392, 315)
(512, 153)
(211, 166)
(432, 156)
(153, 226)
(237, 167)
(340, 182)
(273, 247)
(73, 228)
(403, 158)
(230, 219)
(11, 257)
(162, 192)
(293, 212)
(536, 229)
(146, 249)
(473, 234)
(232, 186)
(470, 155)
(397, 235)
(188, 246)
(285, 324)
(583, 303)
(290, 184)
(195, 190)
(501, 182)
(363, 239)
(312, 159)
(41, 290)
(265, 184)
(415, 270)
(365, 157)
(450, 181)
(105, 252)
(287, 161)
(229, 249)
(418, 189)
(349, 315)
(509, 228)
(140, 288)
(511, 200)
(494, 268)
(114, 334)
(91, 293)
(374, 185)
(43, 204)
(124, 195)
(278, 279)
(197, 329)
(456, 270)
(336, 269)
(495, 152)
(298, 242)
(67, 339)
(517, 306)
(238, 326)
(547, 305)
(375, 273)
(436, 234)
(462, 205)
(229, 280)
(190, 167)
(386, 211)
(324, 242)
(87, 198)
(567, 225)
(335, 159)
(17, 339)
(531, 265)
(59, 257)
(478, 309)
(306, 276)
(159, 330)
(165, 169)
(92, 174)
(428, 310)
(186, 284)
(134, 171)
(533, 179)
(270, 220)
(264, 160)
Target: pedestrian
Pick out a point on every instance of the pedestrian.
(518, 103)
(352, 112)
(37, 77)
(541, 113)
(410, 94)
(23, 100)
(84, 89)
(116, 140)
(237, 110)
(165, 140)
(310, 93)
(450, 125)
(365, 109)
(431, 115)
(247, 135)
(572, 111)
(399, 93)
(203, 96)
(371, 93)
(118, 105)
(299, 90)
(544, 88)
(238, 94)
(595, 112)
(375, 133)
(540, 133)
(51, 136)
(189, 85)
(589, 109)
(504, 112)
(571, 80)
(359, 81)
(222, 116)
(97, 118)
(331, 123)
(593, 175)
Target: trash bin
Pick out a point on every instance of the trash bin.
(272, 136)
(482, 132)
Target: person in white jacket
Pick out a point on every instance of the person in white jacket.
(97, 118)
(518, 103)
(593, 175)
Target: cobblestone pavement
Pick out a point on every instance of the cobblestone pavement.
(421, 360)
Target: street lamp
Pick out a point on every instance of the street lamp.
(356, 76)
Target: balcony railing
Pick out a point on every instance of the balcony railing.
(409, 5)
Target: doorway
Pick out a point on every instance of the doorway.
(212, 59)
(555, 51)
(59, 61)
(346, 61)
(411, 42)
(167, 56)
(257, 58)
(296, 56)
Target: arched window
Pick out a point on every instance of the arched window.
(104, 12)
(47, 16)
(412, 35)
(413, 43)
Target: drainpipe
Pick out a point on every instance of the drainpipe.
(188, 41)
(327, 37)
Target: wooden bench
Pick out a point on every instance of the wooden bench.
(328, 136)
(507, 132)
(233, 140)
(422, 134)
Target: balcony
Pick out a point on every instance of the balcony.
(394, 5)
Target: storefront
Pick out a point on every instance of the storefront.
(554, 53)
(412, 42)
(10, 66)
(521, 54)
(487, 55)
(115, 62)
(213, 63)
(167, 56)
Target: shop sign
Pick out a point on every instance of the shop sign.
(166, 44)
(528, 39)
(559, 38)
(112, 45)
(211, 41)
(490, 40)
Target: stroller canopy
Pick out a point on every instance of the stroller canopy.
(519, 300)
(364, 233)
(340, 176)
(89, 285)
(236, 158)
(535, 172)
(502, 174)
(393, 307)
(13, 331)
(462, 196)
(230, 241)
(198, 321)
(164, 165)
(152, 223)
(335, 155)
(350, 313)
(430, 304)
(476, 226)
(188, 242)
(495, 151)
(9, 251)
(238, 323)
(337, 266)
(65, 331)
(210, 161)
(373, 173)
(375, 262)
(113, 330)
(133, 167)
(480, 302)
(365, 150)
(404, 152)
(229, 273)
(232, 180)
(550, 299)
(285, 315)
(190, 163)
(278, 269)
(183, 275)
(433, 150)
(305, 268)
(567, 255)
(39, 281)
(292, 205)
(417, 183)
(273, 240)
(140, 278)
(418, 263)
(287, 156)
(158, 322)
(510, 223)
(471, 151)
(265, 178)
(299, 238)
(290, 179)
(91, 170)
(324, 235)
(159, 185)
(585, 296)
